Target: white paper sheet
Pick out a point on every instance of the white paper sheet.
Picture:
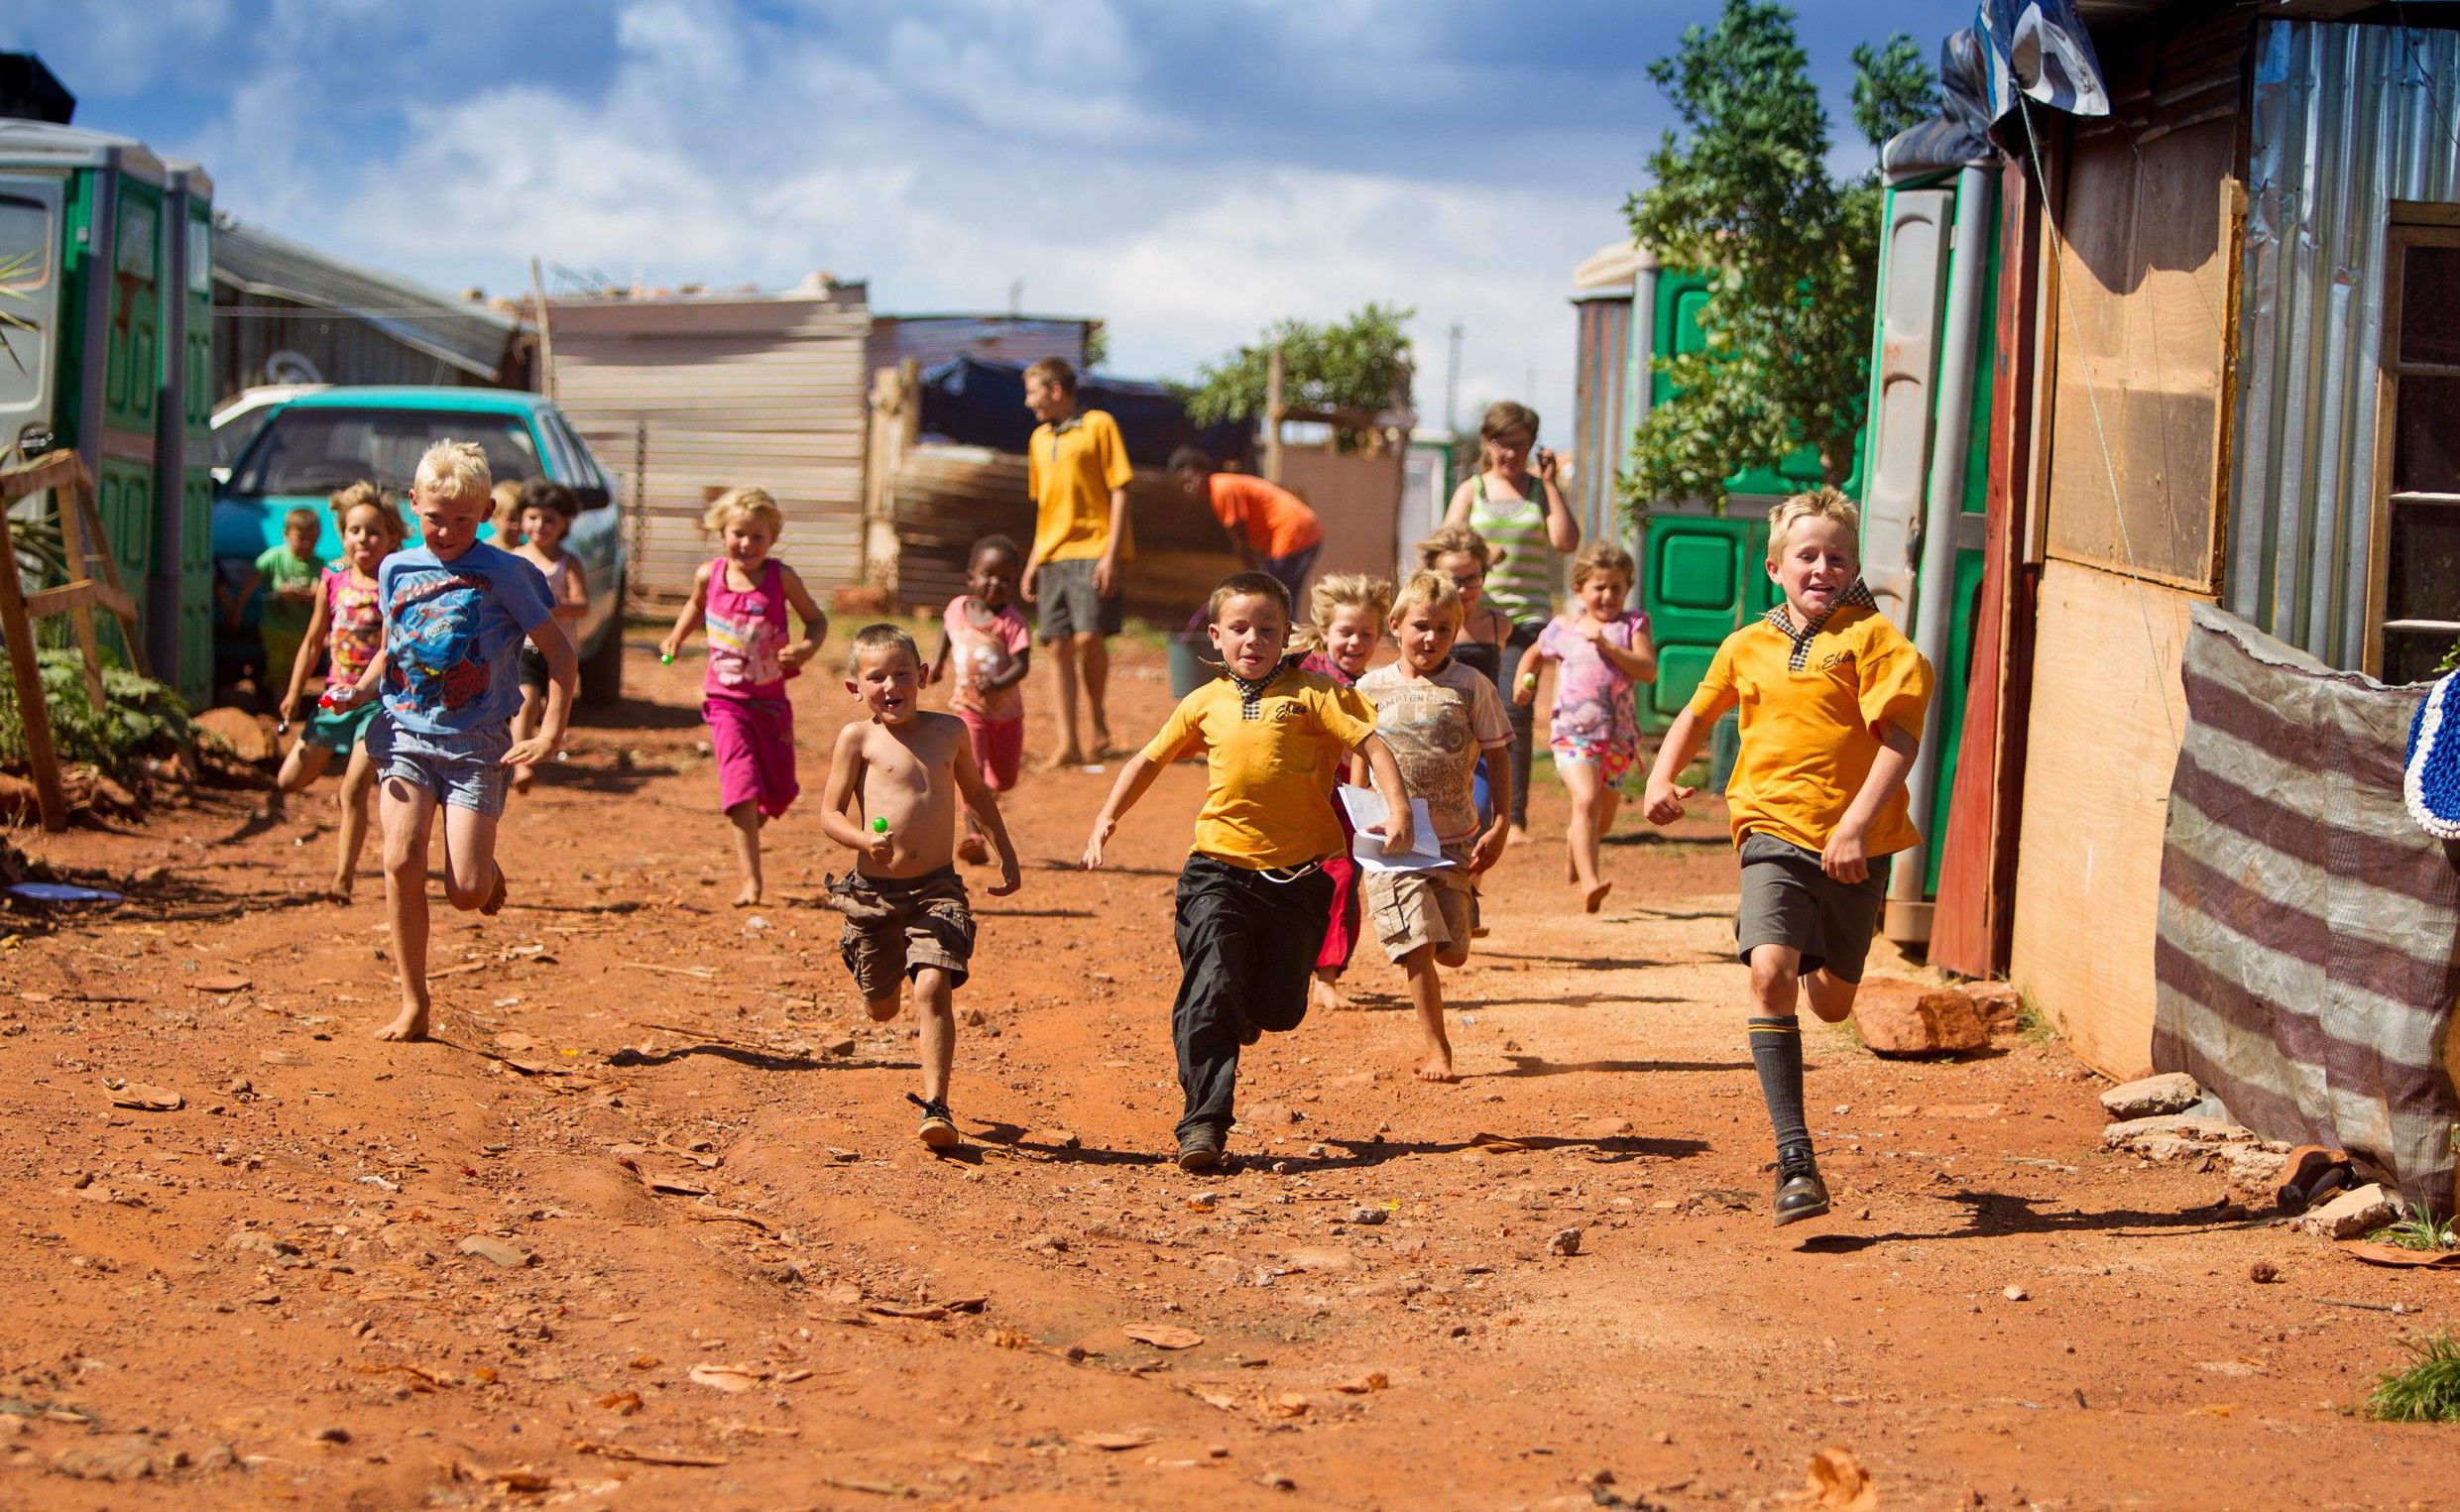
(1366, 811)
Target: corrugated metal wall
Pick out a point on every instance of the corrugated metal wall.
(754, 391)
(2346, 120)
(1602, 434)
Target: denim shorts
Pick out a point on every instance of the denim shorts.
(459, 771)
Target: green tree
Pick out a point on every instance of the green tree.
(1359, 363)
(1742, 193)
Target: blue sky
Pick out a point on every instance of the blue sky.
(1188, 172)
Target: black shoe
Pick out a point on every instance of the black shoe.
(1801, 1194)
(1199, 1150)
(938, 1130)
(1248, 1034)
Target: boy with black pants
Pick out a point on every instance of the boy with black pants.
(1832, 701)
(1253, 899)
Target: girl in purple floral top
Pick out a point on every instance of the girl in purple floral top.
(1599, 650)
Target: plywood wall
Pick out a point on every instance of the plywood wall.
(726, 392)
(1358, 496)
(2108, 713)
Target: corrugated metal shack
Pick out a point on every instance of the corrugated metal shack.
(691, 393)
(2235, 383)
(284, 312)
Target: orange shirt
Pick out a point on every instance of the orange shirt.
(1810, 735)
(1276, 522)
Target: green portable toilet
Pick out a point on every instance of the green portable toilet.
(86, 226)
(178, 592)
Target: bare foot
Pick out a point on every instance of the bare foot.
(1519, 835)
(973, 852)
(340, 892)
(1438, 1067)
(1571, 868)
(410, 1026)
(1323, 997)
(1595, 898)
(1065, 760)
(495, 899)
(750, 896)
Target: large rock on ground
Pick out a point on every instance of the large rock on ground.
(249, 737)
(2151, 1097)
(1905, 1022)
(2352, 1215)
(2251, 1164)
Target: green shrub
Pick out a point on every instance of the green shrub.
(139, 717)
(2428, 1391)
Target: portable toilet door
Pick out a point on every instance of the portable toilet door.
(178, 592)
(31, 216)
(106, 393)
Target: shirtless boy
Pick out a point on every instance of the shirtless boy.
(895, 782)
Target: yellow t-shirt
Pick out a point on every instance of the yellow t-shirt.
(1268, 780)
(1071, 472)
(1808, 737)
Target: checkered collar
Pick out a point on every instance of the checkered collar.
(1251, 693)
(1781, 617)
(1063, 426)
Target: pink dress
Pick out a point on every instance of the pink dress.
(743, 694)
(1593, 719)
(983, 642)
(1340, 934)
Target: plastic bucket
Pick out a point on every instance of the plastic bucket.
(1189, 671)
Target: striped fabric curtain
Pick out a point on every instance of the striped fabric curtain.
(2310, 930)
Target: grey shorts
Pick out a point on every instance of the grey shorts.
(1069, 606)
(897, 925)
(1413, 909)
(457, 770)
(1788, 900)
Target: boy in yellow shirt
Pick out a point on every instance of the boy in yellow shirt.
(1253, 899)
(1077, 469)
(1832, 701)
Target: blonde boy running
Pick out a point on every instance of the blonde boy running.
(1833, 703)
(895, 779)
(1441, 719)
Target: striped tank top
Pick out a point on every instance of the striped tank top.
(1524, 585)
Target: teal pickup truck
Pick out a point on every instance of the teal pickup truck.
(319, 442)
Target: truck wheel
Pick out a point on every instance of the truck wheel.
(602, 676)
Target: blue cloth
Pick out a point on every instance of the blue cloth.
(453, 633)
(2430, 779)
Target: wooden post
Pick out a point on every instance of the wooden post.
(547, 336)
(81, 566)
(1274, 395)
(34, 714)
(633, 588)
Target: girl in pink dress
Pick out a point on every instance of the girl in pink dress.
(1599, 650)
(344, 629)
(742, 598)
(986, 649)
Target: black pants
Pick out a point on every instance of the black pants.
(1519, 655)
(1248, 948)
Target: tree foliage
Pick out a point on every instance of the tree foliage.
(1360, 362)
(1742, 193)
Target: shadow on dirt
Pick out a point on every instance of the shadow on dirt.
(629, 716)
(1613, 964)
(1999, 1215)
(1540, 1066)
(756, 1060)
(185, 898)
(1366, 1154)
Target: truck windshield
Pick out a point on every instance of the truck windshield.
(321, 450)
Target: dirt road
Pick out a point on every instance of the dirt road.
(727, 1251)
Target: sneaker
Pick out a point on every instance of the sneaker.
(1800, 1192)
(938, 1130)
(1199, 1150)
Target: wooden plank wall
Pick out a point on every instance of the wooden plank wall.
(732, 391)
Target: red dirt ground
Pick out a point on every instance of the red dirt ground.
(269, 1285)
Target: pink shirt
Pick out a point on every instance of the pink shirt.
(983, 642)
(746, 632)
(1592, 696)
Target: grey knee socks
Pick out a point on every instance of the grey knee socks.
(1777, 1050)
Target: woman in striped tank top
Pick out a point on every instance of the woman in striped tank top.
(1518, 507)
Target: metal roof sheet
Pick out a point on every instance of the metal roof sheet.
(470, 336)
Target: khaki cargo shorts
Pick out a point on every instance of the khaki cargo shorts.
(1413, 909)
(897, 926)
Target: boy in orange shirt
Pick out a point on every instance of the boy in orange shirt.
(1077, 469)
(1271, 528)
(1832, 701)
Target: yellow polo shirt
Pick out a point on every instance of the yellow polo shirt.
(1268, 780)
(1071, 469)
(1808, 737)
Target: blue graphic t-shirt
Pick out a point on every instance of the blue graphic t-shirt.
(453, 633)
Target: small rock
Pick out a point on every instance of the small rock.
(2154, 1096)
(1057, 1138)
(837, 1044)
(113, 1458)
(2352, 1215)
(1567, 1241)
(1368, 1216)
(1276, 1482)
(249, 737)
(1998, 1002)
(2263, 1273)
(1907, 1022)
(495, 1251)
(2014, 1293)
(335, 1434)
